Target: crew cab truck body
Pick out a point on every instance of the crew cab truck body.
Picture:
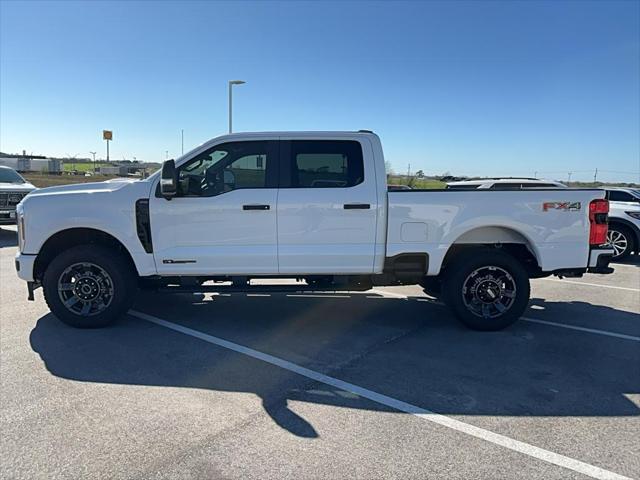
(307, 206)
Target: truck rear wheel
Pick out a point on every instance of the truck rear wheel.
(487, 290)
(89, 286)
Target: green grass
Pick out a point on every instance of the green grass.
(43, 180)
(426, 183)
(83, 167)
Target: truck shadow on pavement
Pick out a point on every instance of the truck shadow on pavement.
(8, 238)
(630, 260)
(410, 350)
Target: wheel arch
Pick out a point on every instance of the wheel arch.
(497, 237)
(73, 237)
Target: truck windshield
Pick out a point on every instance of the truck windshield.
(8, 175)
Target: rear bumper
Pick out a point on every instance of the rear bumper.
(24, 266)
(599, 259)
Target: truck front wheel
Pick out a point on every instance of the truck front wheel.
(487, 290)
(89, 286)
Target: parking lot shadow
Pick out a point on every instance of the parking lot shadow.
(630, 260)
(410, 350)
(8, 238)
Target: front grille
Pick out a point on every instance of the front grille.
(11, 199)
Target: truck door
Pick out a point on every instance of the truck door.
(223, 218)
(327, 207)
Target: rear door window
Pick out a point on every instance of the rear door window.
(323, 164)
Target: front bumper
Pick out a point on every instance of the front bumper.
(24, 266)
(7, 217)
(599, 259)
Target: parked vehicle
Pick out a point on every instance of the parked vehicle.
(13, 188)
(308, 206)
(506, 183)
(624, 221)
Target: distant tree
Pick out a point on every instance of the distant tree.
(420, 174)
(389, 168)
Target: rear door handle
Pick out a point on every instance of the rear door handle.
(357, 206)
(256, 207)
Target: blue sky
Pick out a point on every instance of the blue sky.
(486, 88)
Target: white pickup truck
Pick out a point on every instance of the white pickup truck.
(307, 206)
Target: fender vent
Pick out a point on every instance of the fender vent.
(143, 224)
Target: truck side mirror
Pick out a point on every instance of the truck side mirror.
(169, 180)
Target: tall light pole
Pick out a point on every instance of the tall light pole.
(94, 161)
(182, 139)
(231, 84)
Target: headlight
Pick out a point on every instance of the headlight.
(635, 215)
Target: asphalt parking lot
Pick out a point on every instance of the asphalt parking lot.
(371, 385)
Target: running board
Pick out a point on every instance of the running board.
(264, 289)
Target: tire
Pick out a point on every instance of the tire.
(621, 239)
(487, 290)
(432, 286)
(89, 286)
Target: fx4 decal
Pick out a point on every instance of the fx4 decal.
(566, 206)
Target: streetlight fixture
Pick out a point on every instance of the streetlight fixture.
(94, 161)
(231, 84)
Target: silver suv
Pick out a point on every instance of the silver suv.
(624, 220)
(504, 183)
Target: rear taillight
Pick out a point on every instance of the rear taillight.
(598, 217)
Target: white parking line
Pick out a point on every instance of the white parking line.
(625, 265)
(424, 414)
(591, 284)
(526, 319)
(582, 329)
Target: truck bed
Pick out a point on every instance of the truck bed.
(552, 223)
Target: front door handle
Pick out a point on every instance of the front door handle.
(357, 206)
(256, 207)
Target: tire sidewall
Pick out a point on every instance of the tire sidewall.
(457, 274)
(113, 263)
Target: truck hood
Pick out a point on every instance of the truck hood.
(16, 187)
(93, 187)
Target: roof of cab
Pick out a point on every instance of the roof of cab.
(327, 133)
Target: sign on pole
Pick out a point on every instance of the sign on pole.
(107, 135)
